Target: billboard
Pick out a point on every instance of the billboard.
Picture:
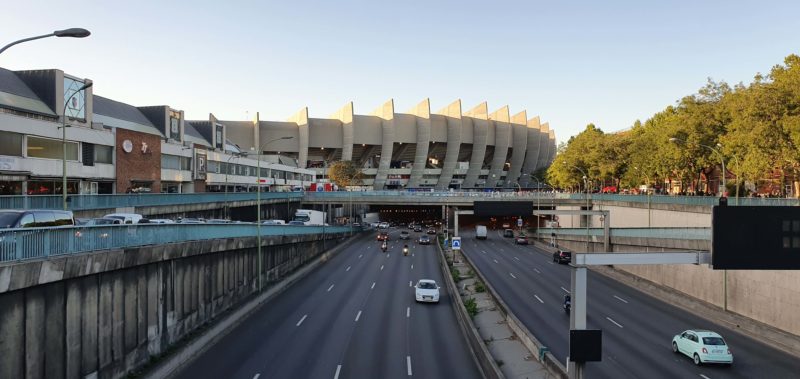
(755, 238)
(200, 165)
(503, 208)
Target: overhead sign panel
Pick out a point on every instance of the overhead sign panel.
(503, 208)
(755, 238)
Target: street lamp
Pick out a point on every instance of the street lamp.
(64, 144)
(586, 185)
(719, 145)
(227, 170)
(721, 159)
(258, 203)
(72, 32)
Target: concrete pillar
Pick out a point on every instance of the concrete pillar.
(502, 127)
(74, 307)
(519, 129)
(153, 308)
(55, 333)
(105, 329)
(532, 151)
(480, 132)
(301, 119)
(89, 313)
(452, 114)
(141, 306)
(345, 115)
(553, 147)
(423, 122)
(544, 146)
(12, 353)
(386, 113)
(118, 316)
(35, 337)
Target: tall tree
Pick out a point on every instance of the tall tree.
(345, 173)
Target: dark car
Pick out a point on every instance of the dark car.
(508, 233)
(424, 240)
(521, 240)
(34, 218)
(562, 256)
(417, 228)
(431, 231)
(404, 235)
(383, 236)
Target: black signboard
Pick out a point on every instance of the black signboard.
(503, 208)
(755, 238)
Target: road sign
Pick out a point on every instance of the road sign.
(456, 243)
(519, 222)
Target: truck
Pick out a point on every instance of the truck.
(310, 217)
(480, 232)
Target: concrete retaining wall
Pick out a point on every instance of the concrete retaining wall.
(105, 314)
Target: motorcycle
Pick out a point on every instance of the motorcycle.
(405, 250)
(567, 304)
(384, 247)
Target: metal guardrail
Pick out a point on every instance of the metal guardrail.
(669, 233)
(30, 243)
(84, 202)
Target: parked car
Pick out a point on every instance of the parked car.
(508, 233)
(424, 240)
(562, 256)
(521, 240)
(191, 220)
(273, 222)
(426, 290)
(296, 223)
(102, 221)
(404, 235)
(34, 218)
(217, 221)
(703, 346)
(127, 218)
(161, 221)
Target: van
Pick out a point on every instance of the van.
(126, 218)
(508, 233)
(480, 232)
(34, 218)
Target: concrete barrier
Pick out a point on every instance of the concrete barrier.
(527, 338)
(480, 352)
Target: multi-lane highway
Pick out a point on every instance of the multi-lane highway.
(637, 328)
(353, 317)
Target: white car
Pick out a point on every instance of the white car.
(702, 346)
(426, 290)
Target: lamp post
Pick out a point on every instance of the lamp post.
(588, 216)
(715, 151)
(72, 32)
(64, 144)
(719, 145)
(258, 203)
(227, 170)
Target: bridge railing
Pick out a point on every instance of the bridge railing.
(667, 233)
(85, 202)
(20, 244)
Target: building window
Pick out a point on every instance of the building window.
(11, 144)
(51, 149)
(75, 106)
(170, 187)
(219, 142)
(8, 187)
(103, 154)
(50, 187)
(170, 162)
(175, 125)
(213, 167)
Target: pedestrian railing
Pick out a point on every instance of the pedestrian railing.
(668, 233)
(30, 243)
(87, 202)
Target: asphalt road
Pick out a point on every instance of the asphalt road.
(637, 328)
(353, 317)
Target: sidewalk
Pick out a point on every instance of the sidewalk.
(509, 353)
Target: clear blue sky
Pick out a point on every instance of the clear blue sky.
(572, 63)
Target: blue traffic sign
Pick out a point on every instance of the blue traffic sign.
(456, 243)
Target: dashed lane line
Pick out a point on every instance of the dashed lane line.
(301, 320)
(621, 299)
(538, 298)
(330, 288)
(613, 322)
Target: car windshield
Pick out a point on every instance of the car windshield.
(427, 286)
(713, 341)
(8, 219)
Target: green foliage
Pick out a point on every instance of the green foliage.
(755, 127)
(472, 306)
(480, 287)
(345, 173)
(455, 274)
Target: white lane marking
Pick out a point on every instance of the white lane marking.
(361, 255)
(410, 284)
(483, 252)
(412, 254)
(373, 286)
(551, 263)
(512, 275)
(348, 269)
(565, 290)
(381, 267)
(412, 267)
(408, 364)
(388, 255)
(621, 299)
(537, 271)
(408, 312)
(516, 258)
(538, 298)
(256, 376)
(330, 288)
(613, 322)
(338, 368)
(703, 376)
(301, 320)
(358, 316)
(495, 260)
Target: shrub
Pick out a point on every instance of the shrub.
(479, 287)
(456, 274)
(471, 306)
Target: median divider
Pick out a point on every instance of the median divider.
(480, 352)
(536, 348)
(196, 346)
